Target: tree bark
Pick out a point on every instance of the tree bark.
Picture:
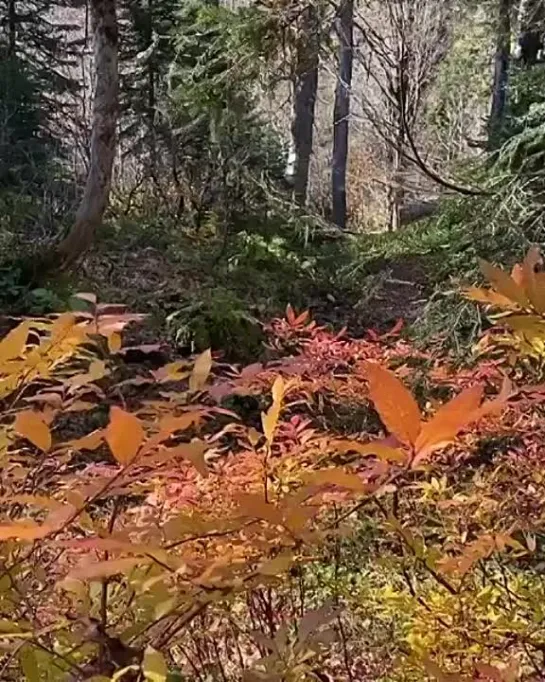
(501, 70)
(12, 28)
(345, 30)
(531, 19)
(103, 134)
(305, 89)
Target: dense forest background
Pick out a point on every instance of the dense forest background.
(260, 419)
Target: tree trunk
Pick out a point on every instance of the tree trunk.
(501, 70)
(305, 89)
(103, 134)
(531, 19)
(12, 28)
(345, 30)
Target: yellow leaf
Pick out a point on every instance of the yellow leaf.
(13, 345)
(124, 434)
(114, 342)
(280, 564)
(396, 406)
(504, 284)
(31, 425)
(448, 421)
(530, 281)
(201, 370)
(269, 419)
(154, 666)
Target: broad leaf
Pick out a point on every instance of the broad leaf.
(394, 403)
(449, 420)
(201, 371)
(269, 419)
(154, 666)
(489, 297)
(124, 435)
(504, 284)
(13, 345)
(29, 664)
(276, 566)
(31, 425)
(105, 569)
(338, 477)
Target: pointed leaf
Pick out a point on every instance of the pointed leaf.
(124, 435)
(114, 342)
(201, 371)
(489, 297)
(31, 425)
(194, 453)
(379, 449)
(394, 403)
(449, 420)
(154, 666)
(269, 419)
(504, 283)
(338, 477)
(29, 664)
(104, 569)
(280, 564)
(13, 345)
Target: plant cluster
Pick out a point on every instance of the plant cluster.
(196, 520)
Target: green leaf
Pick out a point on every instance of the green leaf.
(154, 666)
(29, 664)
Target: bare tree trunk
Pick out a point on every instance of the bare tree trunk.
(12, 28)
(305, 87)
(341, 113)
(103, 135)
(531, 19)
(501, 70)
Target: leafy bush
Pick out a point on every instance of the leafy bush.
(340, 526)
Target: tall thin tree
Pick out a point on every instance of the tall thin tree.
(305, 86)
(501, 69)
(345, 32)
(103, 136)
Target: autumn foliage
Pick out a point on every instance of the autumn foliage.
(167, 523)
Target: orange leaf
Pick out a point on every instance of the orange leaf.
(504, 283)
(380, 450)
(338, 477)
(194, 452)
(201, 371)
(489, 297)
(396, 406)
(25, 530)
(92, 441)
(13, 345)
(448, 421)
(31, 425)
(124, 434)
(254, 506)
